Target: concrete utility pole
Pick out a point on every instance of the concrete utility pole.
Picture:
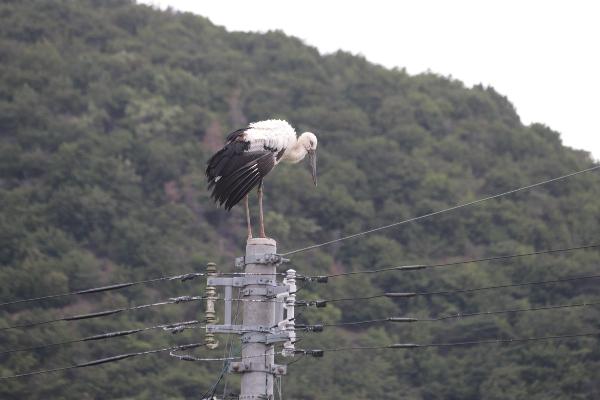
(258, 356)
(268, 308)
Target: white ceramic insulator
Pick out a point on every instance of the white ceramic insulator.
(289, 322)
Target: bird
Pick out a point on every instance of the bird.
(248, 155)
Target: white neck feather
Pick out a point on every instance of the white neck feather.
(295, 154)
(298, 151)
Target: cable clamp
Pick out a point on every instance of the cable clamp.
(312, 352)
(404, 346)
(241, 262)
(310, 328)
(317, 279)
(179, 327)
(182, 357)
(410, 267)
(186, 277)
(402, 319)
(257, 366)
(312, 303)
(183, 299)
(408, 294)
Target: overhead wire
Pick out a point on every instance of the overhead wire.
(400, 345)
(458, 315)
(305, 352)
(319, 352)
(104, 360)
(116, 286)
(173, 300)
(445, 210)
(464, 343)
(322, 302)
(450, 263)
(175, 327)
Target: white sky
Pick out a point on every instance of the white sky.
(543, 55)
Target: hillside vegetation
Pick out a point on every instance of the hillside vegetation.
(108, 113)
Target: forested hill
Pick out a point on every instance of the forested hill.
(108, 113)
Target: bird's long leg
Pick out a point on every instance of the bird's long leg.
(248, 218)
(260, 209)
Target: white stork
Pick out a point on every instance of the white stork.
(249, 155)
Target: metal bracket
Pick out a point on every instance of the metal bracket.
(241, 281)
(266, 338)
(257, 366)
(271, 291)
(240, 262)
(237, 329)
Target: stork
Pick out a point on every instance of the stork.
(249, 155)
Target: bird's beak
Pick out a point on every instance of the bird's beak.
(312, 156)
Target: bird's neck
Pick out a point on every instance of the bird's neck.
(296, 153)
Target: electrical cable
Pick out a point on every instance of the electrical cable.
(182, 277)
(319, 352)
(454, 344)
(448, 264)
(323, 302)
(105, 360)
(174, 300)
(431, 214)
(459, 315)
(312, 352)
(173, 328)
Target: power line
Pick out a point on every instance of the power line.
(319, 352)
(450, 263)
(441, 211)
(173, 328)
(318, 327)
(312, 352)
(455, 344)
(182, 277)
(323, 302)
(116, 286)
(105, 360)
(174, 300)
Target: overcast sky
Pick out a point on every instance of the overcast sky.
(543, 55)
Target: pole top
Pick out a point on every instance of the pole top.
(261, 242)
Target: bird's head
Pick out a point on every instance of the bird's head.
(308, 140)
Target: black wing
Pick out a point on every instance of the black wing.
(235, 135)
(234, 171)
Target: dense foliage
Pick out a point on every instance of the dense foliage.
(108, 112)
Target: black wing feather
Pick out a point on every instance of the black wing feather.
(233, 171)
(235, 134)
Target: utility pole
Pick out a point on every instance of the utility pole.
(258, 356)
(268, 311)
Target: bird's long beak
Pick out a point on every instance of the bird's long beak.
(312, 156)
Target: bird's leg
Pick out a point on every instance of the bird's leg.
(248, 218)
(260, 210)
